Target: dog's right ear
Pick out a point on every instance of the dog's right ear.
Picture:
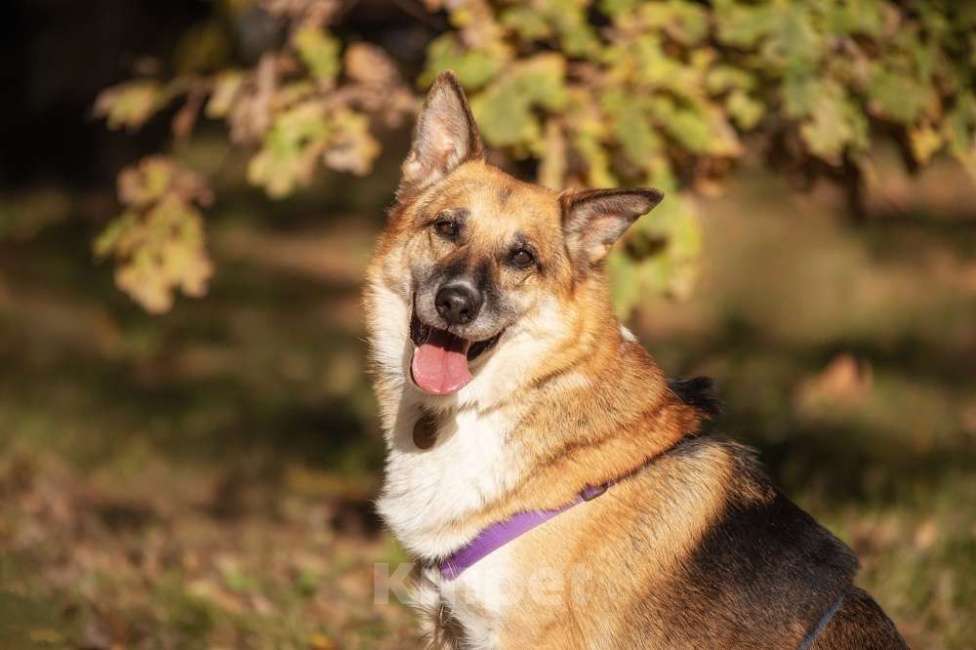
(445, 137)
(594, 219)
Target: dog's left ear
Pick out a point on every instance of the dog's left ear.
(594, 219)
(445, 136)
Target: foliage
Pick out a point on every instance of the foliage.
(158, 240)
(597, 93)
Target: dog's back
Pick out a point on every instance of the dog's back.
(769, 562)
(764, 574)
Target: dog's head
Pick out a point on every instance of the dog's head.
(479, 259)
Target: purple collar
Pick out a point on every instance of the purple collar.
(498, 534)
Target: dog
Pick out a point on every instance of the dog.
(555, 489)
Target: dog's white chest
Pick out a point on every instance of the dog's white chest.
(477, 597)
(426, 490)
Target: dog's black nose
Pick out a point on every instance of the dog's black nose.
(458, 303)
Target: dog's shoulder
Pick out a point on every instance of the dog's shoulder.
(762, 570)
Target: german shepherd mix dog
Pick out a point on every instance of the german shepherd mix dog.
(555, 489)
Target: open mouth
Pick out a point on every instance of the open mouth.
(441, 359)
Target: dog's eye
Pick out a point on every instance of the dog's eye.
(446, 228)
(521, 258)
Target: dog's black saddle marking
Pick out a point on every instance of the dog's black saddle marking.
(698, 392)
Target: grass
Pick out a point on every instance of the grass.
(203, 479)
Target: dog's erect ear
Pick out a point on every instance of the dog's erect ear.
(594, 219)
(445, 137)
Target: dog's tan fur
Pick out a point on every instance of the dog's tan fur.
(567, 400)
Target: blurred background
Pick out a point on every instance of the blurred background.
(189, 192)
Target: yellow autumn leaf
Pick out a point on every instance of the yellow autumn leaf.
(129, 105)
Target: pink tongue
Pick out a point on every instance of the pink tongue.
(440, 365)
